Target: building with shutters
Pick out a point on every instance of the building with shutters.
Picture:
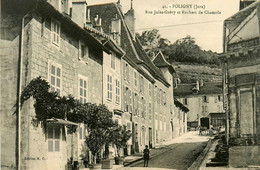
(44, 39)
(146, 86)
(241, 67)
(203, 99)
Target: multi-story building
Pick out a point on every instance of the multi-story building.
(179, 118)
(203, 100)
(45, 39)
(241, 67)
(147, 87)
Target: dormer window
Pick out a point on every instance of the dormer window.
(83, 52)
(55, 28)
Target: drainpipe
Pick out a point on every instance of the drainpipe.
(19, 91)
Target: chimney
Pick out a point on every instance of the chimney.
(130, 19)
(98, 23)
(201, 82)
(88, 21)
(245, 3)
(79, 10)
(65, 6)
(197, 85)
(116, 29)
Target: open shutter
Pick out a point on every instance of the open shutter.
(124, 92)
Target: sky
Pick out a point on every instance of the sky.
(201, 19)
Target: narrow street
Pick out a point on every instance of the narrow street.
(179, 154)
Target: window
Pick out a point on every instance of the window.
(158, 96)
(55, 28)
(113, 61)
(83, 89)
(126, 99)
(130, 101)
(129, 126)
(141, 84)
(144, 108)
(205, 99)
(135, 79)
(150, 111)
(54, 135)
(164, 98)
(219, 98)
(55, 77)
(117, 92)
(161, 95)
(136, 104)
(143, 136)
(150, 89)
(126, 72)
(185, 101)
(84, 52)
(109, 87)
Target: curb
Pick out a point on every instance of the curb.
(132, 162)
(196, 164)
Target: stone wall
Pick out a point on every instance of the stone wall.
(39, 51)
(243, 156)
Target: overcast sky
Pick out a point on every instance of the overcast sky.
(207, 29)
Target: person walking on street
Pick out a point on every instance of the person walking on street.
(146, 156)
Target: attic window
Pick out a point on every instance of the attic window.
(55, 28)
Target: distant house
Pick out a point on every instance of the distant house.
(241, 60)
(202, 98)
(180, 118)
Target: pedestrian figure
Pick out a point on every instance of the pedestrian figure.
(146, 156)
(200, 130)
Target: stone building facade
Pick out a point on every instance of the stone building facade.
(202, 98)
(147, 88)
(69, 58)
(241, 67)
(91, 55)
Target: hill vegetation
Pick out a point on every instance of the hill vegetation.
(182, 50)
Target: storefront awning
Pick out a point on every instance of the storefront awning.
(60, 122)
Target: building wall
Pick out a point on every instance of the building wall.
(9, 67)
(39, 52)
(179, 122)
(242, 81)
(199, 108)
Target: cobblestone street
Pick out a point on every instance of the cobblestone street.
(179, 154)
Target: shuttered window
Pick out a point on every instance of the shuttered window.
(54, 137)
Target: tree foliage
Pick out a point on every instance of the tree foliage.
(98, 118)
(183, 50)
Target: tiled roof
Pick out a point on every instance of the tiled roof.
(160, 61)
(207, 88)
(67, 24)
(243, 14)
(130, 44)
(180, 105)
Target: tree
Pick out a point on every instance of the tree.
(119, 137)
(182, 50)
(49, 105)
(152, 42)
